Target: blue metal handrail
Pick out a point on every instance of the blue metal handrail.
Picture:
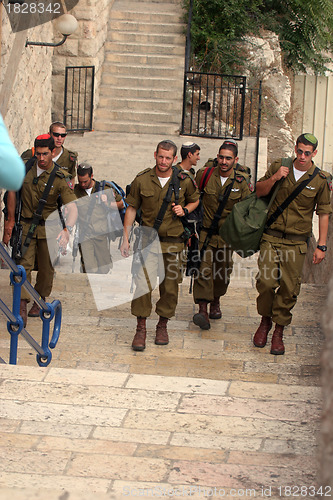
(15, 327)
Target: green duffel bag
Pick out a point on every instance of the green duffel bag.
(244, 226)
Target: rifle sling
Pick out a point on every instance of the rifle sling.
(173, 186)
(217, 217)
(290, 198)
(38, 213)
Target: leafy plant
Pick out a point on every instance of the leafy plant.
(305, 31)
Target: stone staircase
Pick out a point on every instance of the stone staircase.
(143, 71)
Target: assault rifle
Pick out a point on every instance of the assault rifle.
(75, 245)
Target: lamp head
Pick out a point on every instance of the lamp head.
(66, 24)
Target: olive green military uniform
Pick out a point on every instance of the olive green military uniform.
(217, 263)
(147, 193)
(190, 172)
(95, 249)
(38, 248)
(67, 161)
(282, 252)
(246, 171)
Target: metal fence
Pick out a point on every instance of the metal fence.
(219, 106)
(79, 97)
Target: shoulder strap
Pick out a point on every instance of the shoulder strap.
(40, 207)
(206, 176)
(173, 186)
(290, 198)
(217, 216)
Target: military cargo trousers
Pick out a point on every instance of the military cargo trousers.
(279, 279)
(38, 252)
(168, 289)
(214, 276)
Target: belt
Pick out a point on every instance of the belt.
(28, 220)
(280, 234)
(170, 239)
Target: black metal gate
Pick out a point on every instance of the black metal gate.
(79, 97)
(213, 105)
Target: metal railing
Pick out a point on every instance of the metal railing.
(15, 325)
(213, 105)
(79, 98)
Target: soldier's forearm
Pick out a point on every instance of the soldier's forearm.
(192, 206)
(323, 228)
(72, 214)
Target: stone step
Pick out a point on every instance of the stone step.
(166, 61)
(147, 5)
(144, 48)
(144, 27)
(114, 103)
(142, 15)
(138, 128)
(145, 82)
(140, 71)
(140, 93)
(152, 116)
(153, 38)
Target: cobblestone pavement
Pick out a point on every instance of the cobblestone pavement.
(208, 415)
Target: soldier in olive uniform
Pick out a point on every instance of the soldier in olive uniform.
(213, 278)
(147, 192)
(190, 153)
(212, 162)
(33, 188)
(94, 246)
(284, 244)
(65, 158)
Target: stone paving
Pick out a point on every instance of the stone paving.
(209, 415)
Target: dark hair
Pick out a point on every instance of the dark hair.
(188, 148)
(56, 124)
(44, 141)
(231, 145)
(168, 145)
(308, 140)
(84, 169)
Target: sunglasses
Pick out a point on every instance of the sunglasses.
(56, 134)
(306, 153)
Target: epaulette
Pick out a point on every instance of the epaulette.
(328, 177)
(60, 173)
(143, 171)
(72, 153)
(241, 168)
(210, 162)
(183, 174)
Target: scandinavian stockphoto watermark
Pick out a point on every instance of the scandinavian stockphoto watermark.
(30, 13)
(160, 491)
(94, 248)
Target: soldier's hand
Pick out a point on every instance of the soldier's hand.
(178, 210)
(104, 198)
(282, 172)
(318, 256)
(63, 239)
(7, 231)
(124, 248)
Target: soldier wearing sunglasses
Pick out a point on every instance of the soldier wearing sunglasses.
(63, 157)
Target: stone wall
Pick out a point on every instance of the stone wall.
(29, 105)
(84, 48)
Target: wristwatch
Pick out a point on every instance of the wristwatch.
(69, 229)
(323, 248)
(185, 212)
